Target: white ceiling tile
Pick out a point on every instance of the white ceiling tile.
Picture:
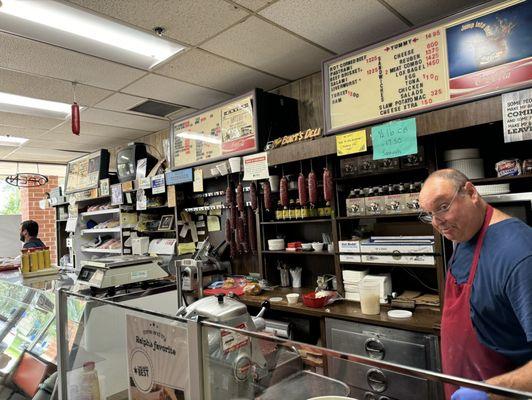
(188, 21)
(85, 143)
(42, 155)
(5, 150)
(27, 133)
(253, 5)
(91, 129)
(432, 9)
(206, 69)
(339, 25)
(120, 102)
(123, 120)
(263, 46)
(48, 89)
(28, 121)
(166, 89)
(43, 59)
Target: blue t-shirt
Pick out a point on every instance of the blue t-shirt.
(501, 298)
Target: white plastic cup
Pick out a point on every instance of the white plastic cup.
(274, 183)
(370, 297)
(292, 298)
(235, 164)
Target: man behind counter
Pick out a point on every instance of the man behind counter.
(486, 327)
(28, 234)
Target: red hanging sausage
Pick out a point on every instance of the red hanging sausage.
(75, 119)
(253, 195)
(240, 197)
(233, 215)
(267, 195)
(228, 231)
(244, 248)
(312, 188)
(327, 185)
(302, 189)
(283, 191)
(232, 247)
(229, 195)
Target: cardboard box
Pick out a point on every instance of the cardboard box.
(354, 258)
(416, 259)
(349, 246)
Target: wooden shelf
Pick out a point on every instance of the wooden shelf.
(299, 253)
(380, 173)
(297, 221)
(385, 216)
(503, 179)
(101, 212)
(423, 320)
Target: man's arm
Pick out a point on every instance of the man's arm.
(518, 379)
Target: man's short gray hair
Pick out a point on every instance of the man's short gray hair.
(457, 178)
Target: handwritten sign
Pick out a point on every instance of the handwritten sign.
(394, 139)
(517, 115)
(351, 143)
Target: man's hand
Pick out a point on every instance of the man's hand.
(469, 394)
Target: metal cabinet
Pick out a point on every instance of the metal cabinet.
(388, 344)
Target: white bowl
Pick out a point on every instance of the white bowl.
(276, 244)
(317, 246)
(292, 298)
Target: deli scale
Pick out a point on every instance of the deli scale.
(110, 272)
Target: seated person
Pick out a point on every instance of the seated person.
(28, 234)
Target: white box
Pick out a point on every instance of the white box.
(416, 259)
(351, 287)
(162, 246)
(354, 258)
(353, 276)
(140, 245)
(349, 246)
(368, 246)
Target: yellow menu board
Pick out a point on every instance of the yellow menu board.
(400, 76)
(84, 173)
(215, 134)
(472, 54)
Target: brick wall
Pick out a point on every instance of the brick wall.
(29, 208)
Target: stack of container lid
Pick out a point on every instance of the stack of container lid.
(467, 161)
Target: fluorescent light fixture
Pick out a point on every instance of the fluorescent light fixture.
(28, 105)
(48, 21)
(6, 140)
(200, 137)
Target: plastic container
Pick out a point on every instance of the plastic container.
(276, 244)
(370, 302)
(47, 261)
(310, 300)
(292, 298)
(34, 261)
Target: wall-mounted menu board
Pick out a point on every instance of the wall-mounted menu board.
(226, 130)
(470, 55)
(85, 172)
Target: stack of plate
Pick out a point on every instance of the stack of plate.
(467, 161)
(485, 190)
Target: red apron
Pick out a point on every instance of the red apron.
(462, 353)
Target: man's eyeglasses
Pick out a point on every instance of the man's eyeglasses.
(428, 216)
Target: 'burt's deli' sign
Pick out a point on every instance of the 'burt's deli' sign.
(469, 56)
(309, 134)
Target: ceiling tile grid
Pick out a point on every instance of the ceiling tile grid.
(88, 128)
(113, 118)
(187, 21)
(47, 60)
(268, 48)
(172, 91)
(205, 69)
(356, 24)
(28, 121)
